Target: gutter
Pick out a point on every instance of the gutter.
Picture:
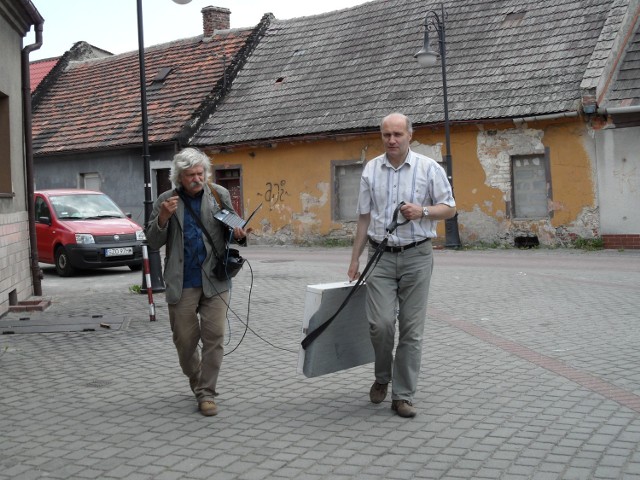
(36, 273)
(618, 110)
(540, 118)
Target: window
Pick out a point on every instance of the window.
(6, 188)
(346, 182)
(41, 208)
(90, 181)
(531, 186)
(231, 179)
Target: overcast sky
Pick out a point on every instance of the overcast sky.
(113, 26)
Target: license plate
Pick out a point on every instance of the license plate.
(116, 252)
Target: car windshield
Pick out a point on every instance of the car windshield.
(83, 206)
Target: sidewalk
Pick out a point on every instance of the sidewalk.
(531, 370)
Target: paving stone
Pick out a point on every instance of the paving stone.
(531, 373)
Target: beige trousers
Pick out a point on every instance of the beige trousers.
(194, 319)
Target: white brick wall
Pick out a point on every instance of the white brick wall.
(15, 273)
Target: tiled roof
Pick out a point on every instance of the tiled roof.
(597, 66)
(626, 89)
(39, 69)
(95, 104)
(342, 71)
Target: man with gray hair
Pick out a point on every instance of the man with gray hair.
(418, 188)
(197, 299)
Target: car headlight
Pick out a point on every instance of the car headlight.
(84, 238)
(140, 235)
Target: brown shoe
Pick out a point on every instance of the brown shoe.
(378, 392)
(404, 408)
(208, 408)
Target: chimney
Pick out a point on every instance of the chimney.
(215, 18)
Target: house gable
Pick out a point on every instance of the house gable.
(95, 104)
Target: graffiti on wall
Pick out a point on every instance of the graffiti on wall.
(275, 193)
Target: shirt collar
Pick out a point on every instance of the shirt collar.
(407, 161)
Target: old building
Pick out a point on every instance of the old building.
(543, 106)
(87, 129)
(303, 116)
(18, 269)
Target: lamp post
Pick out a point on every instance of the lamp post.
(157, 282)
(427, 57)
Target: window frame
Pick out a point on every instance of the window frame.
(544, 158)
(335, 198)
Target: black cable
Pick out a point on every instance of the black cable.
(373, 261)
(306, 341)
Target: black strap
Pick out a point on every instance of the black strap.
(373, 261)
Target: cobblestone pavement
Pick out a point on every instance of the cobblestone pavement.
(531, 370)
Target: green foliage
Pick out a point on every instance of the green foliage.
(589, 244)
(135, 288)
(337, 242)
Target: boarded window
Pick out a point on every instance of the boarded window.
(531, 186)
(346, 182)
(90, 181)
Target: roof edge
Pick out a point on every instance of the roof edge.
(223, 85)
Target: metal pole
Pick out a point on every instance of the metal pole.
(157, 282)
(452, 235)
(145, 124)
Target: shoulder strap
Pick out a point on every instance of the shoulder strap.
(216, 195)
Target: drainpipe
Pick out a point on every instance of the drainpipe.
(36, 273)
(540, 118)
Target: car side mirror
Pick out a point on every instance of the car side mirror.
(128, 214)
(46, 220)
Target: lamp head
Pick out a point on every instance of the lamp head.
(181, 2)
(426, 57)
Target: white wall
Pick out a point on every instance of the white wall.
(618, 169)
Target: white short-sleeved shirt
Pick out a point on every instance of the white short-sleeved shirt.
(382, 187)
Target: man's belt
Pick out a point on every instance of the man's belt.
(402, 248)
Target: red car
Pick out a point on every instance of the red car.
(82, 229)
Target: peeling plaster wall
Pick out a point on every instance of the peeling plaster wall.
(294, 181)
(573, 211)
(495, 149)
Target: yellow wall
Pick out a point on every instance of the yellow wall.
(293, 180)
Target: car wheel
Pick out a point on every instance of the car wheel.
(135, 268)
(63, 265)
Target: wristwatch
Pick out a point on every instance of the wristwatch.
(425, 212)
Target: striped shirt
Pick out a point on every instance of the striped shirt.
(382, 187)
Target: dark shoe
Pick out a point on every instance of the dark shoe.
(208, 408)
(378, 392)
(404, 408)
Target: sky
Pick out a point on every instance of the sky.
(112, 25)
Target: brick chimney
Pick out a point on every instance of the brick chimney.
(215, 18)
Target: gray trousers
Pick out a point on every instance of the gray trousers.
(189, 329)
(399, 279)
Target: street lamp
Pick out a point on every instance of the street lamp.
(157, 282)
(427, 57)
